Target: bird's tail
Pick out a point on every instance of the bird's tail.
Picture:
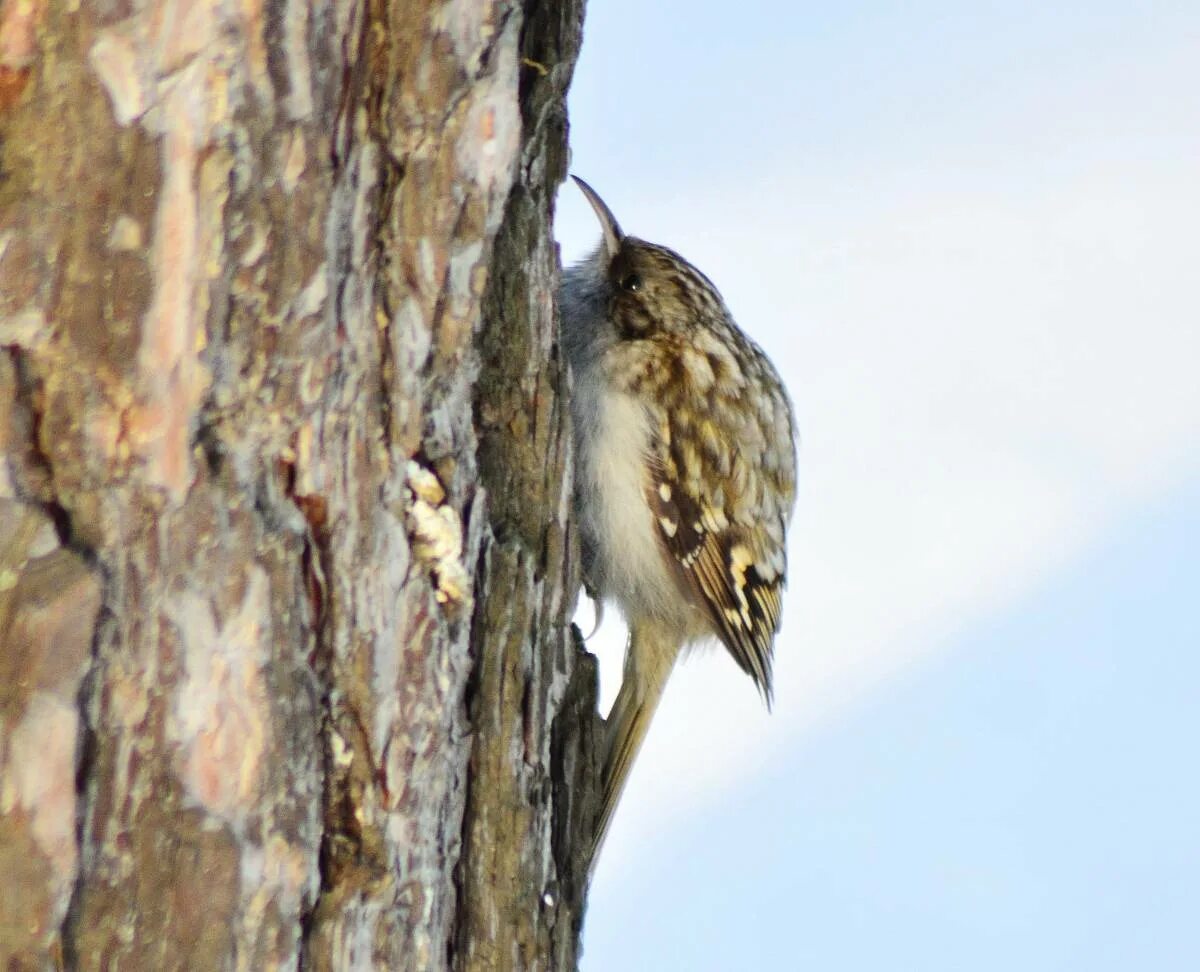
(649, 659)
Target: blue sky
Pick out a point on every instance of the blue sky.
(968, 236)
(1025, 801)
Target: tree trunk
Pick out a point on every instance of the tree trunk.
(287, 677)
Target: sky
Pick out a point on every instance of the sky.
(968, 237)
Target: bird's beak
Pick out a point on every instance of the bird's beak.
(608, 222)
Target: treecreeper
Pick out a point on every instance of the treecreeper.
(685, 473)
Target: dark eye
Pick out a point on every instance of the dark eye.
(631, 282)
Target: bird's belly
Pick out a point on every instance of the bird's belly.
(630, 566)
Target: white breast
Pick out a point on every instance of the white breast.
(621, 525)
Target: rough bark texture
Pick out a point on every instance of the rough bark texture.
(286, 671)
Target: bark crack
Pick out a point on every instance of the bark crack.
(31, 470)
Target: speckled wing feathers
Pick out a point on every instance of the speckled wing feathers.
(727, 542)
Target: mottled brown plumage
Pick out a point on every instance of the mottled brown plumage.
(685, 470)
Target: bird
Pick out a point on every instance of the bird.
(685, 474)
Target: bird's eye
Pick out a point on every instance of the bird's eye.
(631, 282)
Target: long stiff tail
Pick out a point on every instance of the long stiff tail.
(649, 659)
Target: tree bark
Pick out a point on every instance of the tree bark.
(287, 677)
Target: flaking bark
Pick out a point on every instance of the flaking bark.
(286, 567)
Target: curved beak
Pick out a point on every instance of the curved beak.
(608, 222)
